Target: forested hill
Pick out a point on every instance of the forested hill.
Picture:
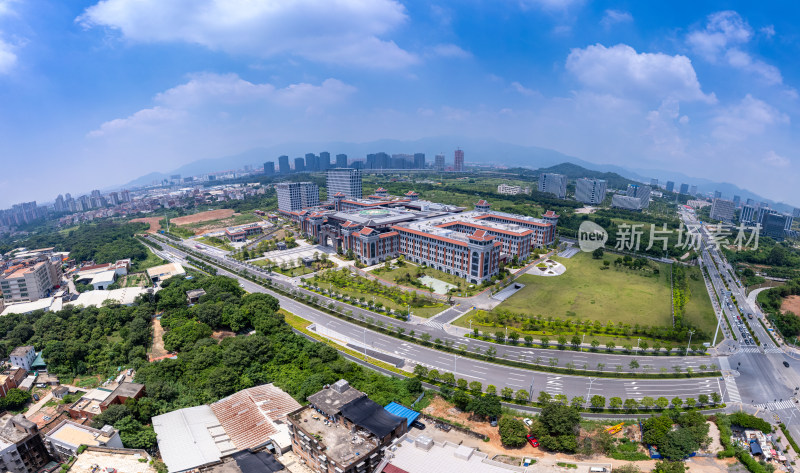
(94, 341)
(573, 171)
(103, 242)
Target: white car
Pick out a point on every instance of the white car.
(528, 422)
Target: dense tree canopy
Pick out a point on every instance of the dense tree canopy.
(104, 242)
(557, 427)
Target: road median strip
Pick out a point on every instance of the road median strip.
(267, 284)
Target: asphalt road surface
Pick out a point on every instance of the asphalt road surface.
(491, 373)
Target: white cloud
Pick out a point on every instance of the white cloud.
(523, 90)
(663, 128)
(146, 119)
(741, 60)
(768, 31)
(450, 51)
(8, 59)
(621, 71)
(722, 40)
(723, 29)
(614, 17)
(749, 117)
(332, 31)
(775, 160)
(213, 94)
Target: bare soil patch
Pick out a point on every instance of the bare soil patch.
(203, 217)
(791, 304)
(152, 221)
(157, 350)
(222, 334)
(442, 409)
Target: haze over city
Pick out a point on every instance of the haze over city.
(105, 92)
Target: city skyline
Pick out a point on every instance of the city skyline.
(708, 90)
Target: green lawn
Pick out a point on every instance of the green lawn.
(134, 279)
(291, 272)
(699, 311)
(393, 275)
(149, 262)
(426, 312)
(217, 242)
(585, 291)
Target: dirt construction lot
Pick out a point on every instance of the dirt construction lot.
(546, 461)
(152, 221)
(202, 217)
(791, 304)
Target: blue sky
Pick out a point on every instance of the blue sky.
(93, 94)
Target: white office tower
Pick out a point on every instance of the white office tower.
(294, 196)
(346, 180)
(555, 184)
(590, 191)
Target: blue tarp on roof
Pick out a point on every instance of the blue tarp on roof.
(755, 448)
(402, 411)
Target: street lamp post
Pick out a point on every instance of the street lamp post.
(530, 392)
(589, 392)
(637, 344)
(688, 345)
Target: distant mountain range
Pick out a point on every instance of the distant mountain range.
(477, 150)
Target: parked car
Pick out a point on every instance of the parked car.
(532, 440)
(493, 421)
(528, 422)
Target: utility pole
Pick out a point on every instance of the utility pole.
(716, 332)
(688, 345)
(365, 343)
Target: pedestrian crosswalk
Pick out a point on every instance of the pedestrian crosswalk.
(732, 389)
(750, 350)
(776, 406)
(434, 324)
(773, 350)
(554, 385)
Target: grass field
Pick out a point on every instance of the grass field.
(587, 292)
(411, 269)
(699, 311)
(149, 262)
(217, 242)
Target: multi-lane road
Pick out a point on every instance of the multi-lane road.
(755, 375)
(487, 372)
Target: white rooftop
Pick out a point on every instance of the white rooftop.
(104, 277)
(26, 307)
(124, 296)
(191, 437)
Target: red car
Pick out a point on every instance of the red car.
(532, 440)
